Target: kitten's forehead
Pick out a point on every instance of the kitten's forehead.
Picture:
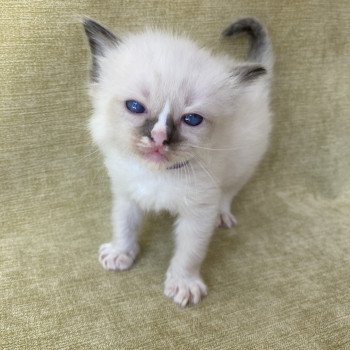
(159, 68)
(167, 63)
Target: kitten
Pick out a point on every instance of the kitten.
(180, 129)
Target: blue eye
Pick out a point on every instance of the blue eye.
(192, 119)
(134, 106)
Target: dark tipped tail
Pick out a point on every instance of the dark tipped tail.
(260, 46)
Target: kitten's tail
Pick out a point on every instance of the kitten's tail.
(260, 45)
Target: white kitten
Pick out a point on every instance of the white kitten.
(180, 129)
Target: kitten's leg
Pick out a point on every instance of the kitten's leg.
(183, 281)
(120, 253)
(225, 218)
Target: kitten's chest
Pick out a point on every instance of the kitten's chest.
(158, 192)
(151, 190)
(174, 190)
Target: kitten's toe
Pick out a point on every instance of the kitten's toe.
(184, 291)
(113, 259)
(226, 220)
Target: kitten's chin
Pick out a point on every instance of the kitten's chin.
(156, 157)
(155, 160)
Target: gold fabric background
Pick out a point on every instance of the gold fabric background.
(280, 280)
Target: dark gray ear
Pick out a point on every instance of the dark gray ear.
(100, 39)
(249, 72)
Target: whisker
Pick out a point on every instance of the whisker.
(93, 153)
(187, 181)
(214, 149)
(189, 164)
(208, 173)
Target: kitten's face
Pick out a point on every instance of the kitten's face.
(159, 97)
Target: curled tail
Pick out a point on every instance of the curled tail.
(260, 45)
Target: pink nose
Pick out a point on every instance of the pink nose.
(159, 137)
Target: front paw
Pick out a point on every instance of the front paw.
(114, 259)
(184, 290)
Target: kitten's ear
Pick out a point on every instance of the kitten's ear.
(100, 40)
(248, 73)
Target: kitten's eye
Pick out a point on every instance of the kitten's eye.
(134, 106)
(192, 119)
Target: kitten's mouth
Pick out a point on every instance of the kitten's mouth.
(156, 155)
(178, 165)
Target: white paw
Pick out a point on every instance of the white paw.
(185, 290)
(226, 220)
(113, 259)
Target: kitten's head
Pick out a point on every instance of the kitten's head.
(160, 97)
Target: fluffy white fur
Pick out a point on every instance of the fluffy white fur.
(172, 75)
